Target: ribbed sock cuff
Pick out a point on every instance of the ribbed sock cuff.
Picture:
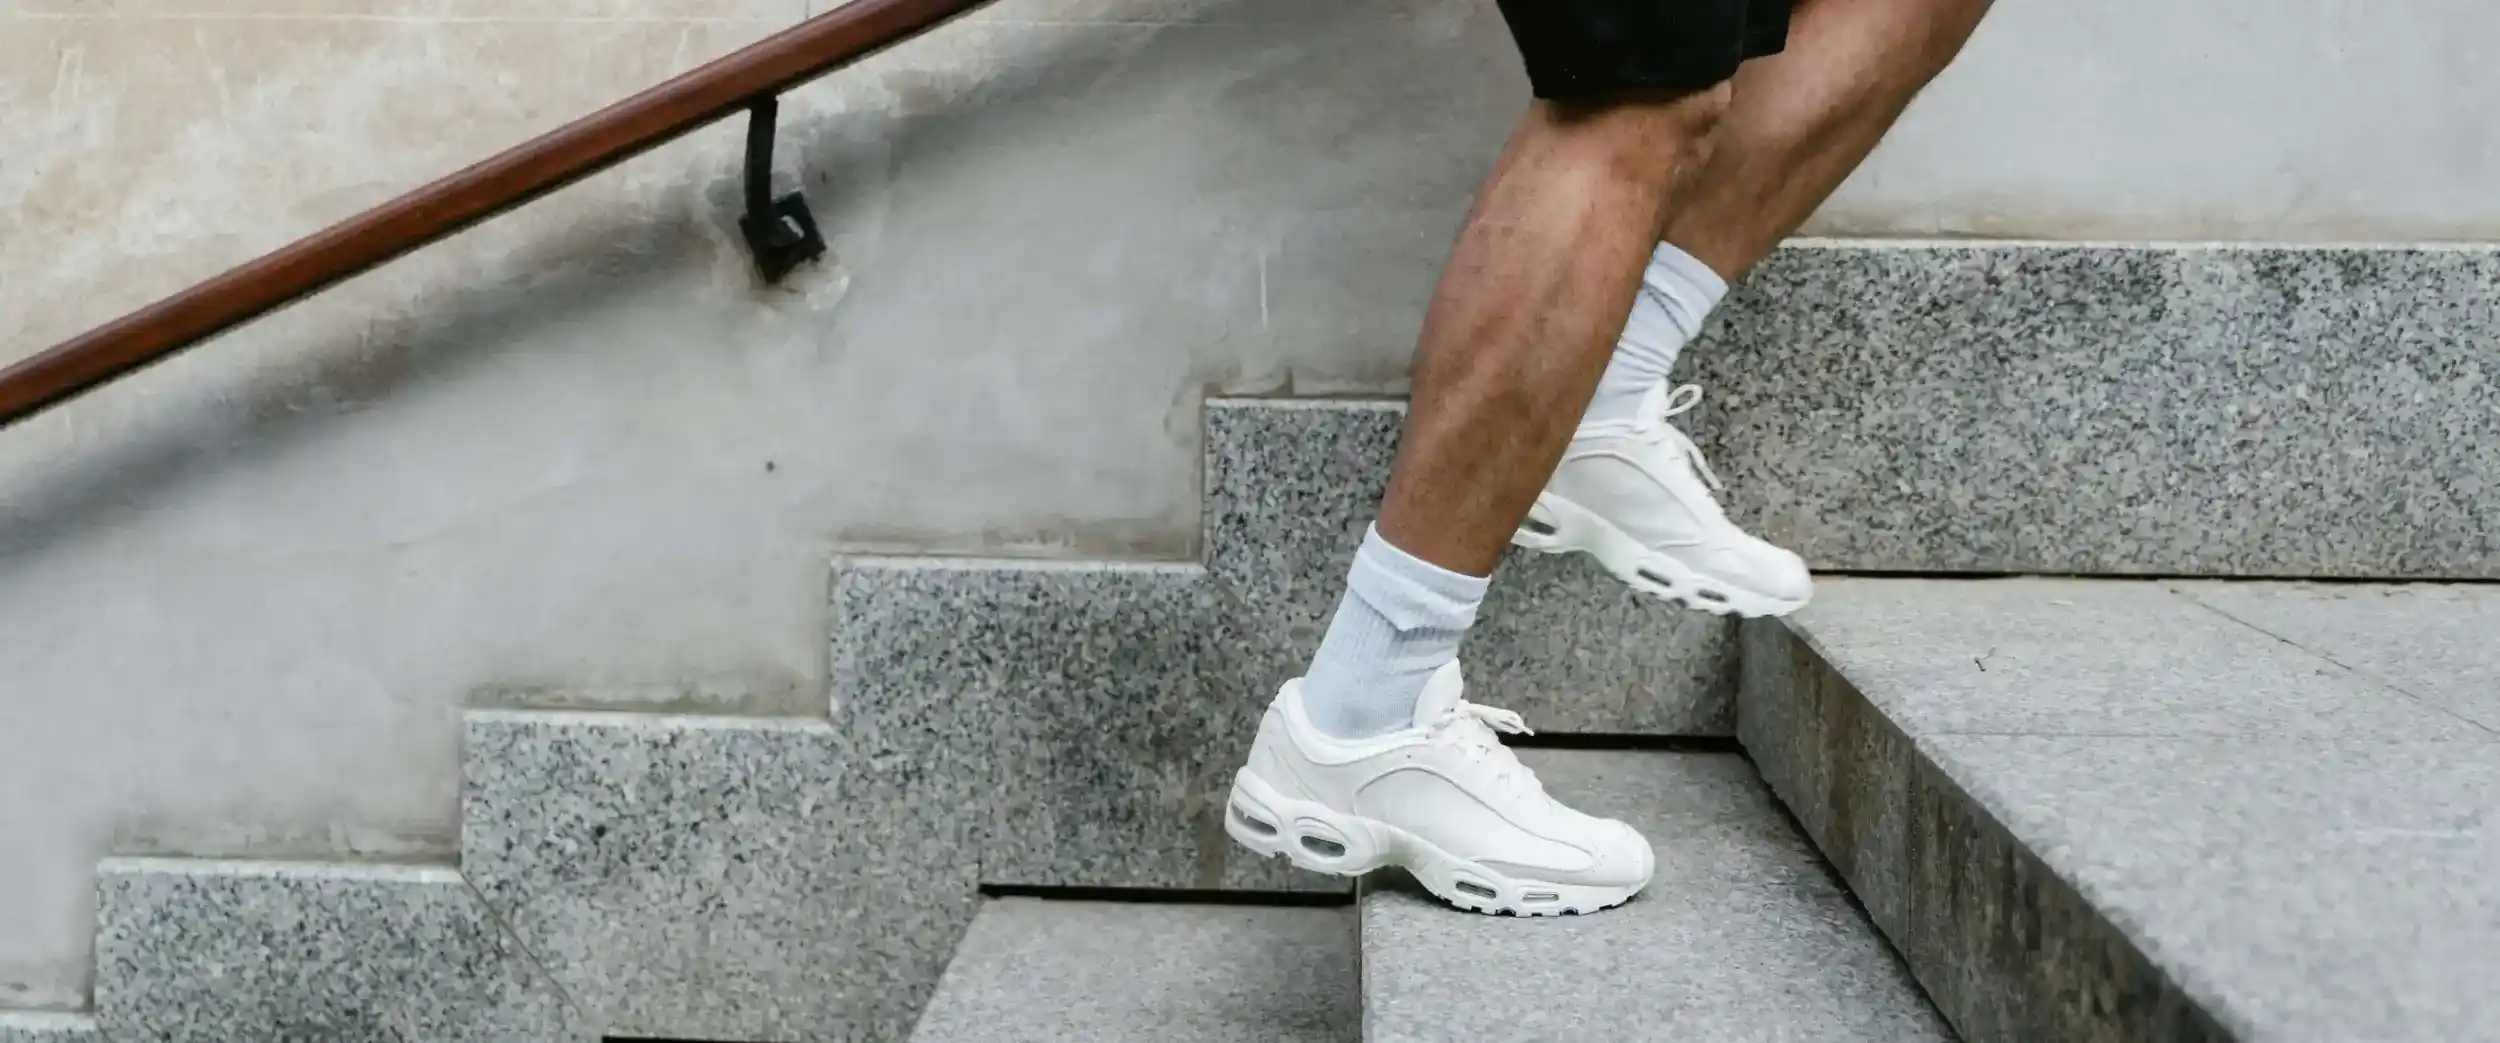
(1412, 593)
(1682, 274)
(1677, 295)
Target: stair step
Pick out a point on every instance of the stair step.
(2190, 409)
(211, 950)
(37, 1026)
(722, 878)
(2133, 810)
(1742, 935)
(1038, 970)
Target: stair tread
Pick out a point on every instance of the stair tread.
(1741, 935)
(1038, 970)
(2277, 794)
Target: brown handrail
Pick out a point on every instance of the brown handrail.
(532, 169)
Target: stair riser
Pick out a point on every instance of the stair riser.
(1149, 973)
(210, 952)
(720, 878)
(2235, 411)
(2026, 408)
(2006, 949)
(1086, 720)
(1131, 693)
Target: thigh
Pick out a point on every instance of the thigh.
(1591, 49)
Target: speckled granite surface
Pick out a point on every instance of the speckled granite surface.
(1089, 718)
(718, 878)
(27, 1026)
(256, 952)
(2128, 790)
(1034, 971)
(2431, 641)
(1740, 936)
(2246, 411)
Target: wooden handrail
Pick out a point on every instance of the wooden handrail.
(532, 169)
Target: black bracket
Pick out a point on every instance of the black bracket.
(780, 231)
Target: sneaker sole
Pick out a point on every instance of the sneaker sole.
(1559, 526)
(1323, 840)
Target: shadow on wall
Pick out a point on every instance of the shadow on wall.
(188, 421)
(189, 436)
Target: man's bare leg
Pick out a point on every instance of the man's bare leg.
(1373, 758)
(1523, 320)
(1800, 122)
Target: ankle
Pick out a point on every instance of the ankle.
(1401, 619)
(1677, 294)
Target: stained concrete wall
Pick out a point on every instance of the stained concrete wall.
(579, 455)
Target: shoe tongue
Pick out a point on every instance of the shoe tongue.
(1441, 693)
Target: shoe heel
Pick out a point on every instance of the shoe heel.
(1252, 823)
(1311, 835)
(1542, 530)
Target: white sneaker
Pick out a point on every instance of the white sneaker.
(1635, 495)
(1443, 799)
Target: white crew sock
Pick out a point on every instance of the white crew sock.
(1401, 619)
(1677, 293)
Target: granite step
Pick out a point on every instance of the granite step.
(2085, 409)
(1743, 934)
(2135, 810)
(38, 1026)
(1034, 970)
(216, 950)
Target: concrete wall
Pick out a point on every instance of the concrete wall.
(578, 455)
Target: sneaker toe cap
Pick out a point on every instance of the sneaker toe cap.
(1766, 570)
(1786, 576)
(1624, 857)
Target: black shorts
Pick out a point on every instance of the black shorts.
(1580, 50)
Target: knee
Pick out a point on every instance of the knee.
(1646, 135)
(1696, 114)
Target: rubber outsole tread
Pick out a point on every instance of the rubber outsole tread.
(1693, 602)
(1478, 909)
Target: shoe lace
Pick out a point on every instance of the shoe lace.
(1679, 402)
(1478, 729)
